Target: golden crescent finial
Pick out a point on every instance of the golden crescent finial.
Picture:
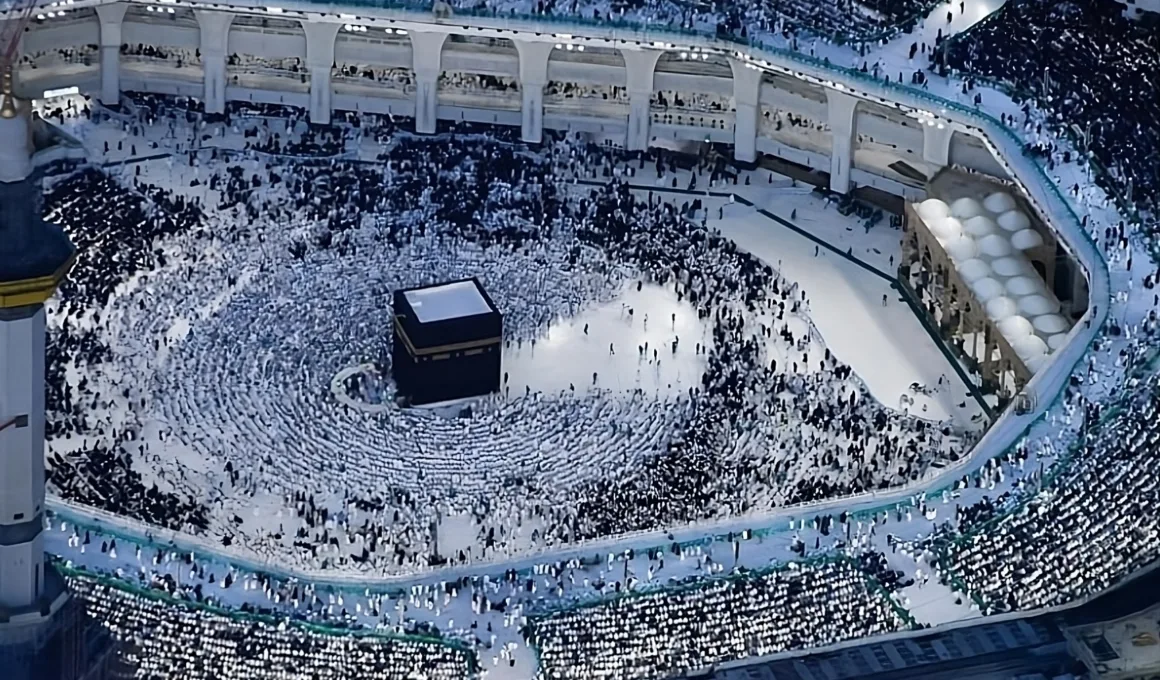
(8, 108)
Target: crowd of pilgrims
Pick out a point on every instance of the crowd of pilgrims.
(858, 21)
(1052, 548)
(181, 616)
(1097, 75)
(113, 230)
(159, 640)
(670, 633)
(1070, 534)
(757, 429)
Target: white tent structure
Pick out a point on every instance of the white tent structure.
(980, 226)
(1050, 324)
(987, 289)
(999, 203)
(1026, 239)
(995, 246)
(1037, 305)
(1019, 286)
(1015, 327)
(1029, 347)
(933, 209)
(1014, 265)
(1057, 341)
(1036, 364)
(1001, 308)
(988, 242)
(1014, 220)
(946, 228)
(961, 248)
(974, 269)
(966, 208)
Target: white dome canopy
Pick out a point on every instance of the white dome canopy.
(962, 248)
(1026, 239)
(1015, 327)
(980, 226)
(965, 208)
(1036, 305)
(1057, 341)
(1001, 308)
(995, 245)
(1015, 265)
(933, 209)
(945, 228)
(999, 202)
(987, 289)
(974, 269)
(1029, 347)
(1036, 364)
(1014, 220)
(1023, 285)
(1050, 324)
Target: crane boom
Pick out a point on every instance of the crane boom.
(16, 19)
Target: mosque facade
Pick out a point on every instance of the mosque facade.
(404, 64)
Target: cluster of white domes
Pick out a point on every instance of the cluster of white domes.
(985, 242)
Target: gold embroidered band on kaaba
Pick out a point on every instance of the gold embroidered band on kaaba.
(442, 349)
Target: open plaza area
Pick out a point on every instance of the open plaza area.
(375, 348)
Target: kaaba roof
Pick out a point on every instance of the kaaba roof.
(444, 301)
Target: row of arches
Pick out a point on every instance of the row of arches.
(478, 72)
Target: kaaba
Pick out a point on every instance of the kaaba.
(447, 342)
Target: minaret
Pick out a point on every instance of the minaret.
(44, 633)
(34, 258)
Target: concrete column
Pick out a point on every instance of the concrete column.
(22, 359)
(844, 128)
(214, 31)
(110, 17)
(936, 145)
(746, 99)
(426, 57)
(319, 60)
(533, 77)
(639, 66)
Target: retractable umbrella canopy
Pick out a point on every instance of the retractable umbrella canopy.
(1015, 327)
(999, 203)
(1036, 364)
(995, 246)
(1001, 308)
(980, 226)
(1026, 239)
(1014, 220)
(1029, 347)
(1057, 341)
(1036, 305)
(987, 289)
(974, 269)
(1015, 265)
(933, 209)
(1023, 285)
(1050, 324)
(965, 208)
(962, 248)
(945, 228)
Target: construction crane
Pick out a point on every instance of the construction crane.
(13, 21)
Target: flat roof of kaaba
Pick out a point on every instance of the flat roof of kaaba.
(447, 301)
